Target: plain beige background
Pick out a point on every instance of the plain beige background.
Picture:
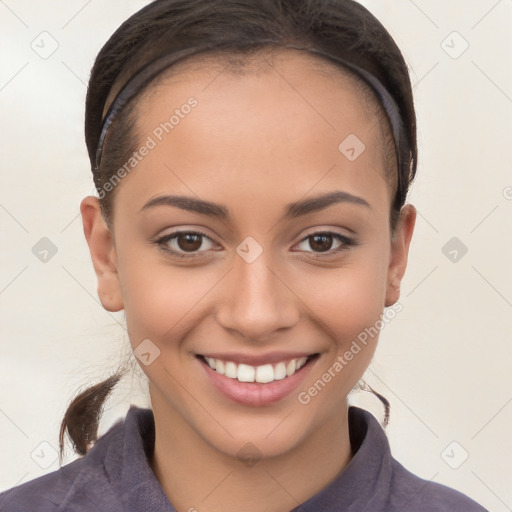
(443, 362)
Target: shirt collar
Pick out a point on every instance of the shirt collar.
(362, 485)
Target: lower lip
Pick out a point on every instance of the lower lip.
(255, 393)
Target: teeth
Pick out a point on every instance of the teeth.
(230, 370)
(246, 373)
(290, 369)
(265, 373)
(280, 371)
(262, 374)
(301, 362)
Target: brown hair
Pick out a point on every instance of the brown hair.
(342, 28)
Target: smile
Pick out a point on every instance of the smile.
(256, 380)
(262, 374)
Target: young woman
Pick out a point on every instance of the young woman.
(252, 162)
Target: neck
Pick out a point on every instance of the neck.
(196, 476)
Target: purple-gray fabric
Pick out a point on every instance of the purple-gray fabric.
(116, 476)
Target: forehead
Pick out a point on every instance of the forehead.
(298, 81)
(275, 126)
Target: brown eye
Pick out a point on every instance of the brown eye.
(186, 244)
(321, 242)
(326, 242)
(189, 241)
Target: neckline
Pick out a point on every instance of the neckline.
(365, 479)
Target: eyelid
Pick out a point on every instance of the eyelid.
(346, 243)
(163, 239)
(338, 230)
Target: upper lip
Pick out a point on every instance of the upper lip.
(257, 360)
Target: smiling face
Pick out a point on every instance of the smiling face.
(286, 252)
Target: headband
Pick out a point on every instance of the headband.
(148, 72)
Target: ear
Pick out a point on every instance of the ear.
(103, 254)
(400, 242)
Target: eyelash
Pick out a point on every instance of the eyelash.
(346, 243)
(166, 238)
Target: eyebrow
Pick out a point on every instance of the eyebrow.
(293, 210)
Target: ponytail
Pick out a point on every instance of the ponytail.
(363, 386)
(83, 415)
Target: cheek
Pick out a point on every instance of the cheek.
(348, 306)
(346, 300)
(160, 300)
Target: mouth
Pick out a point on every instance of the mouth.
(256, 385)
(263, 374)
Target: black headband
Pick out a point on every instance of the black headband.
(148, 72)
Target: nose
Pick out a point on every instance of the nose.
(257, 301)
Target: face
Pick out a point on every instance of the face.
(273, 252)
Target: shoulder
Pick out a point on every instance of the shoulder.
(390, 486)
(82, 483)
(410, 492)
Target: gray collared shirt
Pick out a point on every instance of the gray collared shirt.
(116, 476)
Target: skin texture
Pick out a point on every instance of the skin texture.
(256, 142)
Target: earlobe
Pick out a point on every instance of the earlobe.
(103, 254)
(400, 243)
